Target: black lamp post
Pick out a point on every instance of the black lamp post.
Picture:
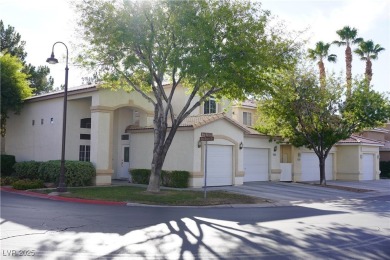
(52, 60)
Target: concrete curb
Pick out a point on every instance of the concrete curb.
(260, 205)
(59, 198)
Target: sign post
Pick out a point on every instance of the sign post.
(205, 137)
(205, 173)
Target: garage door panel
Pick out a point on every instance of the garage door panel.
(368, 167)
(256, 162)
(311, 167)
(219, 165)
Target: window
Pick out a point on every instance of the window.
(85, 123)
(125, 137)
(84, 154)
(126, 154)
(42, 121)
(85, 136)
(247, 118)
(210, 107)
(33, 122)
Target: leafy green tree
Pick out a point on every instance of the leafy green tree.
(12, 44)
(306, 114)
(14, 87)
(320, 53)
(219, 48)
(348, 37)
(39, 79)
(368, 51)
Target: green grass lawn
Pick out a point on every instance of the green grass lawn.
(165, 197)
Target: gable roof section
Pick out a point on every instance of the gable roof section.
(385, 147)
(356, 140)
(245, 104)
(202, 120)
(378, 130)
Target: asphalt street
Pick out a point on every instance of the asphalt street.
(34, 228)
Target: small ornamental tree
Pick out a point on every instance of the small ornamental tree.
(306, 114)
(14, 87)
(220, 48)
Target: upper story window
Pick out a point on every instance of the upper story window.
(247, 118)
(210, 106)
(85, 123)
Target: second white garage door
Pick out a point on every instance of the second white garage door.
(368, 167)
(256, 164)
(219, 165)
(311, 167)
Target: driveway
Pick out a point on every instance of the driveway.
(284, 193)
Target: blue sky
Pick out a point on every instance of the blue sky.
(43, 22)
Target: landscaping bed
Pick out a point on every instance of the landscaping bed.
(172, 197)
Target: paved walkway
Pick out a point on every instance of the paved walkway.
(288, 193)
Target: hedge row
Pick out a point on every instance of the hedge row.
(385, 169)
(27, 184)
(7, 163)
(77, 173)
(175, 179)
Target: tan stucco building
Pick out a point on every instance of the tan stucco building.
(113, 130)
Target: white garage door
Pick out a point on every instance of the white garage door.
(256, 164)
(368, 167)
(311, 167)
(219, 165)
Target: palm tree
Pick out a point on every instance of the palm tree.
(348, 37)
(368, 51)
(321, 52)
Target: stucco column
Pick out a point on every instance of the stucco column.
(101, 143)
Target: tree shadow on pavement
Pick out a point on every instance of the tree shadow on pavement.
(107, 232)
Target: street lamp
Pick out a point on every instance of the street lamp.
(52, 60)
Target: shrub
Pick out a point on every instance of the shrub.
(385, 169)
(27, 170)
(7, 163)
(27, 184)
(77, 173)
(175, 179)
(8, 180)
(140, 176)
(49, 171)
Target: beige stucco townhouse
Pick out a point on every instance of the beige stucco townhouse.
(113, 130)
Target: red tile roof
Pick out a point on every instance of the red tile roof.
(201, 120)
(355, 139)
(385, 147)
